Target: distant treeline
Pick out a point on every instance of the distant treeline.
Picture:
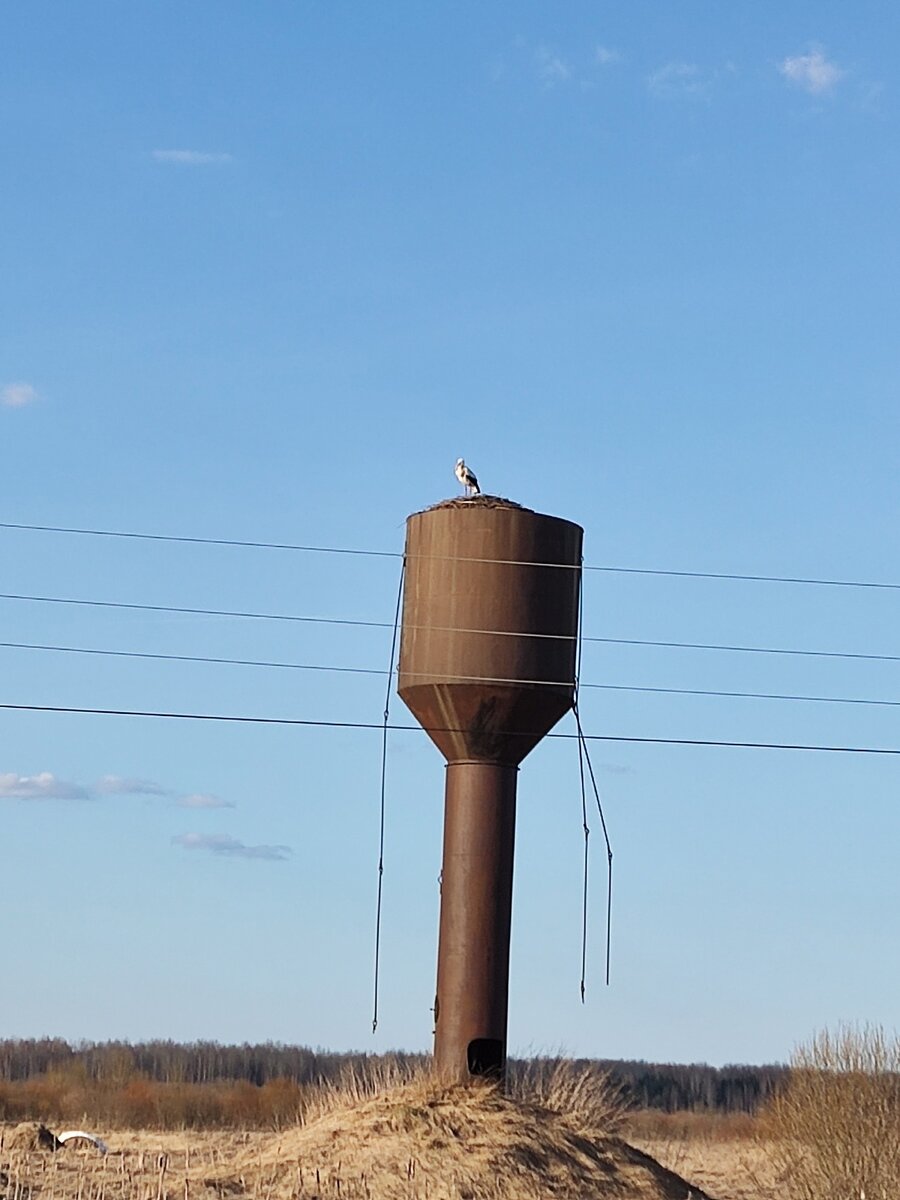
(671, 1087)
(115, 1065)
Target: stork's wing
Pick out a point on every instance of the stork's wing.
(71, 1134)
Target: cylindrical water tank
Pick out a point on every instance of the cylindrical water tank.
(490, 622)
(487, 666)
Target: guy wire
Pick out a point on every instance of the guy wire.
(384, 740)
(584, 820)
(609, 854)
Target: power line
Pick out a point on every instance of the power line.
(738, 649)
(197, 541)
(308, 549)
(194, 612)
(322, 724)
(295, 666)
(270, 616)
(674, 691)
(742, 578)
(267, 616)
(190, 658)
(261, 545)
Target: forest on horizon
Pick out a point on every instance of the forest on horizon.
(169, 1083)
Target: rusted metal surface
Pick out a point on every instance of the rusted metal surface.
(482, 603)
(476, 901)
(487, 666)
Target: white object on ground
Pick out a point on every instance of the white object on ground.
(79, 1133)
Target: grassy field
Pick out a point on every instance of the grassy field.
(832, 1133)
(728, 1157)
(417, 1140)
(153, 1165)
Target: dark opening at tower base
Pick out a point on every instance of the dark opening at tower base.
(484, 1056)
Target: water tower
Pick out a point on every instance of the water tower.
(487, 667)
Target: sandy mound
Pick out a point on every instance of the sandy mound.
(460, 1143)
(30, 1135)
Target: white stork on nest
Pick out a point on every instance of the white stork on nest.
(466, 477)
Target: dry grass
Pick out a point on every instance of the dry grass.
(835, 1127)
(832, 1133)
(417, 1139)
(725, 1156)
(588, 1098)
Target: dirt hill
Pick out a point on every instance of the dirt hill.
(459, 1143)
(368, 1140)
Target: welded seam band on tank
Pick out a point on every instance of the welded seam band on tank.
(664, 691)
(497, 562)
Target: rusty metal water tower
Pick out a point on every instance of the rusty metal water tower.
(487, 667)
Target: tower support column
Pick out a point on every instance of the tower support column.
(476, 908)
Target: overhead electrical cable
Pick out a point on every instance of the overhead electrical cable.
(326, 668)
(743, 577)
(192, 658)
(248, 614)
(194, 612)
(747, 578)
(727, 695)
(198, 541)
(312, 723)
(738, 649)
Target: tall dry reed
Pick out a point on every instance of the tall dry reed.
(834, 1128)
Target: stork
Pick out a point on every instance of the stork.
(466, 477)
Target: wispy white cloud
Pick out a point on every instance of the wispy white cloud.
(678, 79)
(119, 785)
(44, 786)
(17, 395)
(812, 72)
(228, 847)
(606, 56)
(612, 768)
(552, 68)
(192, 158)
(203, 800)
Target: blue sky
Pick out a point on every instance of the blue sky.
(268, 270)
